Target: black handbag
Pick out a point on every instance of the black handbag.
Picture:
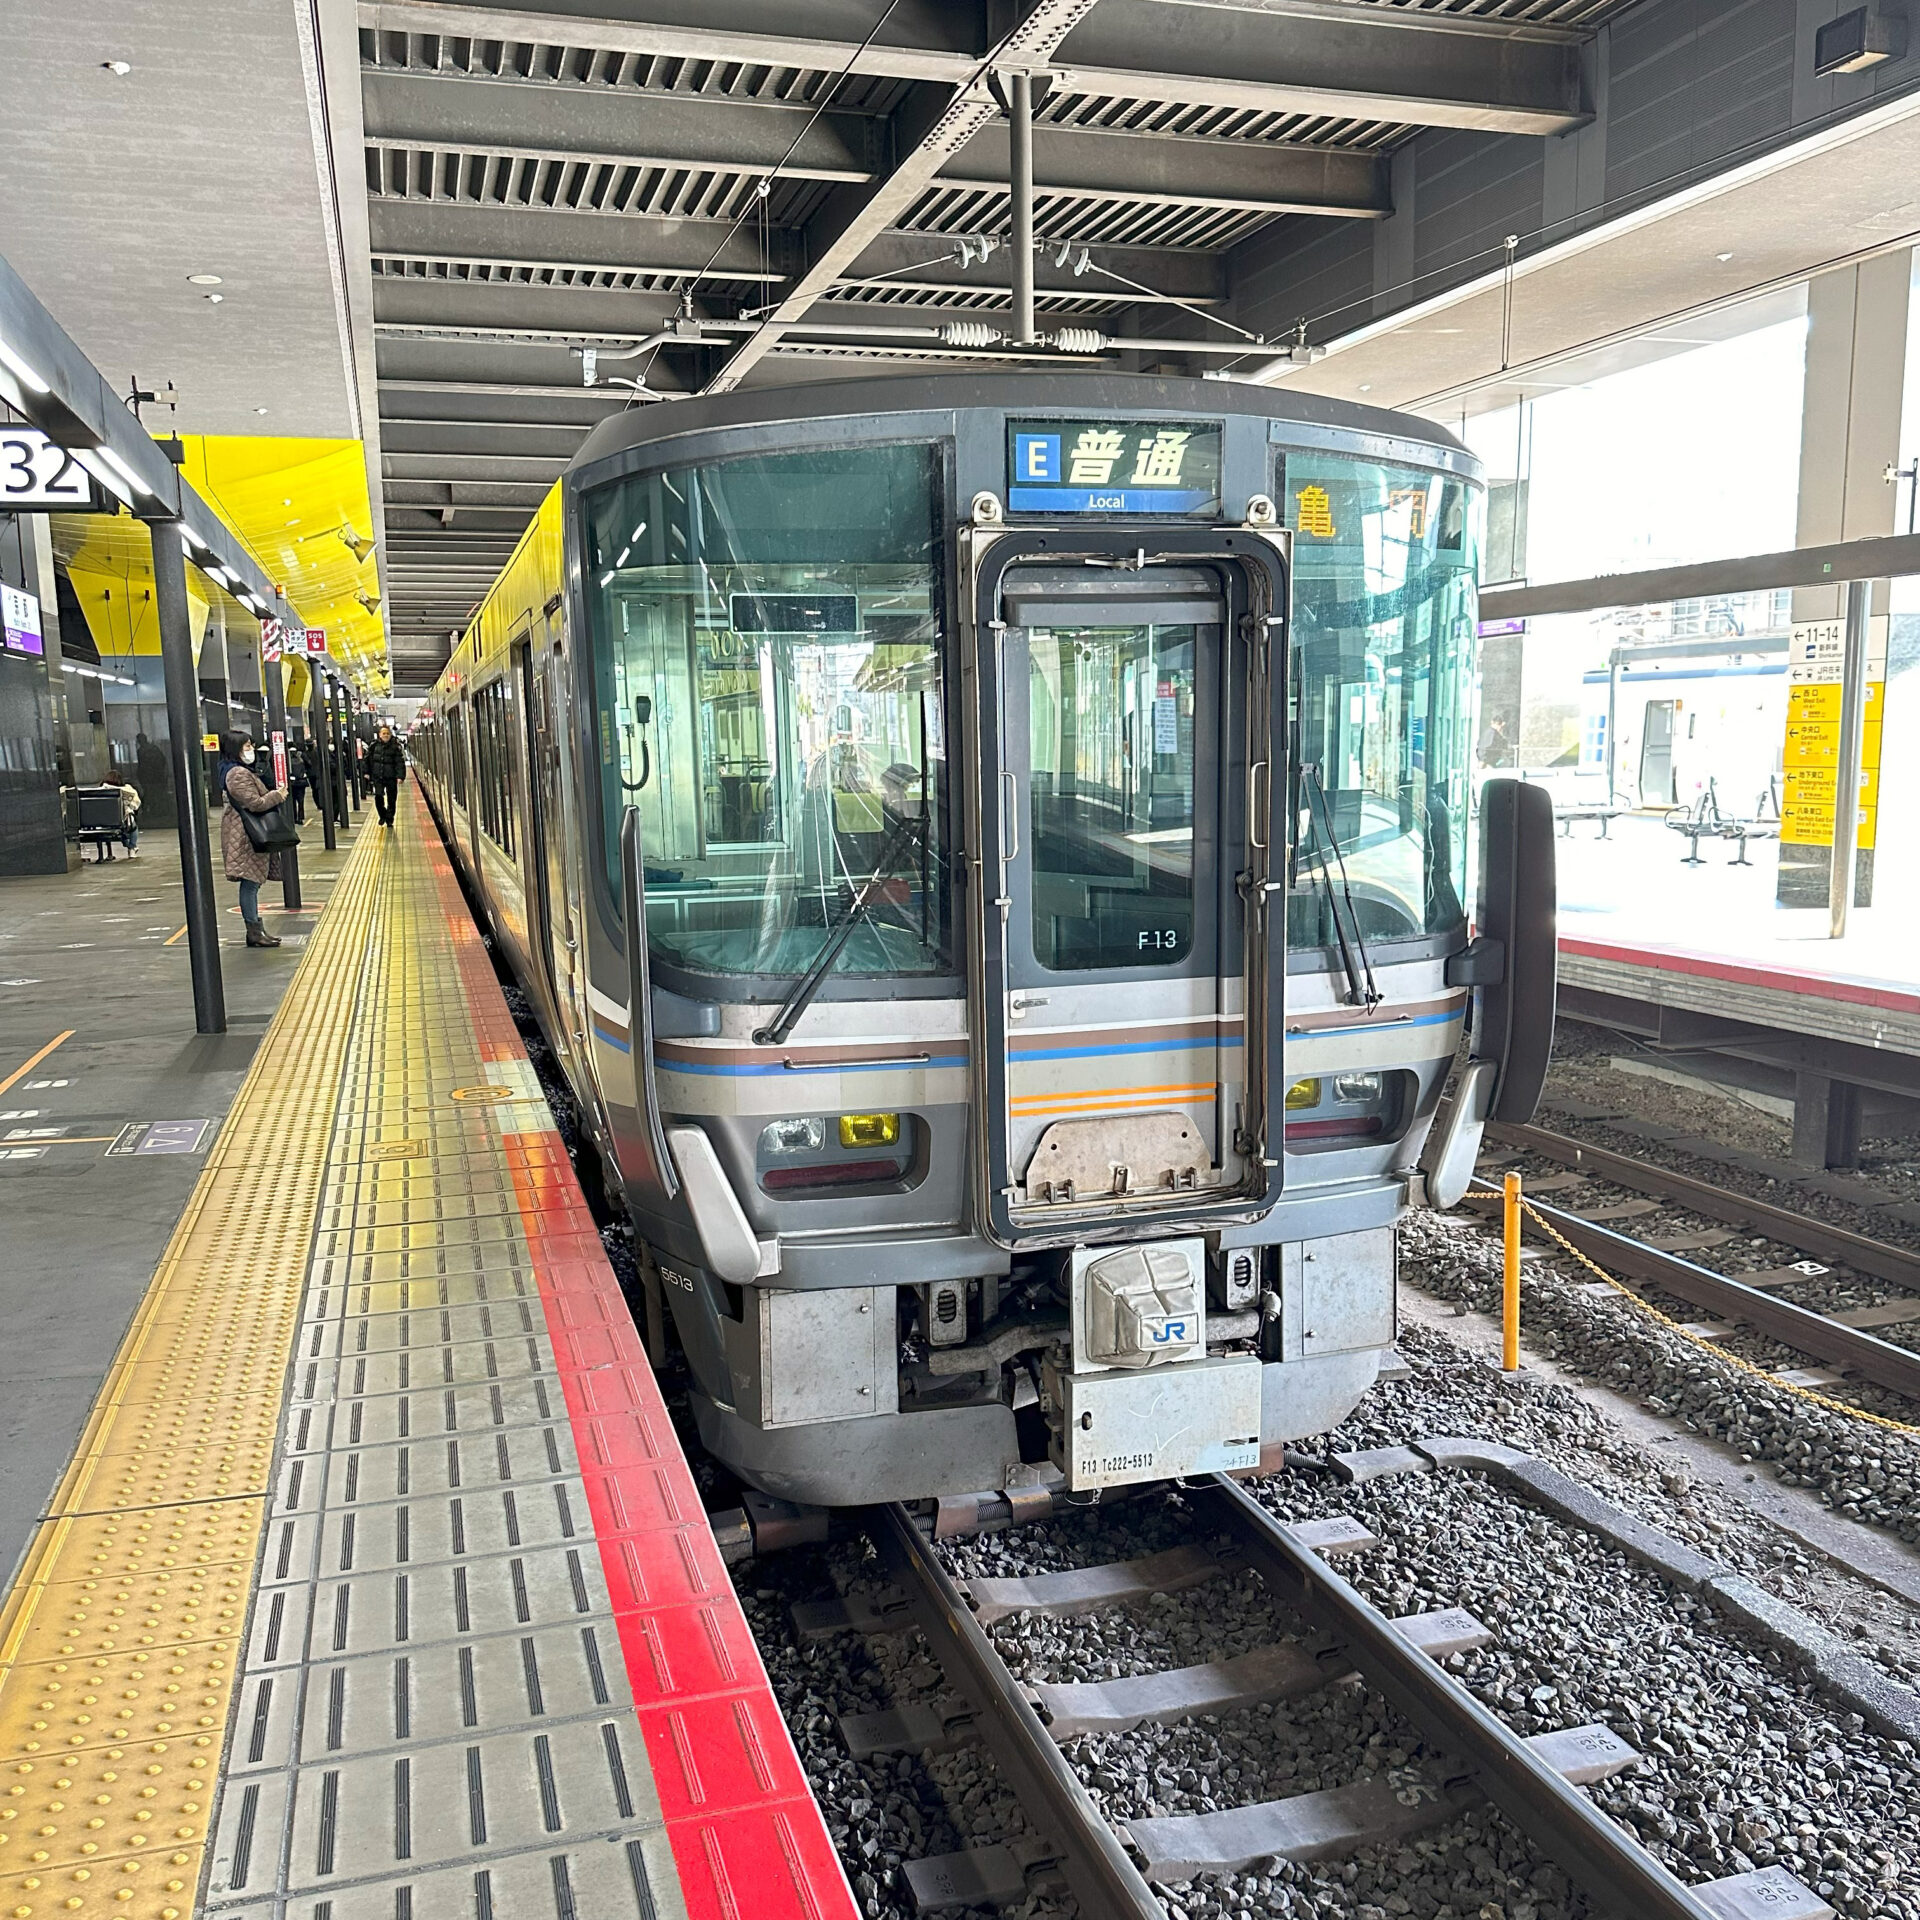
(271, 830)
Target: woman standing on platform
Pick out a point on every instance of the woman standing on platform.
(243, 860)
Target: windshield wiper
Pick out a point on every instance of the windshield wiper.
(906, 830)
(1362, 990)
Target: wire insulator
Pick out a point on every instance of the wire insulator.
(970, 333)
(1078, 339)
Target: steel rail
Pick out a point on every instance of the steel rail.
(1856, 1250)
(1093, 1862)
(1603, 1859)
(1801, 1328)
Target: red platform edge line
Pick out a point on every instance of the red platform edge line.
(747, 1837)
(1749, 973)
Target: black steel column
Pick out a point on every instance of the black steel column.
(272, 678)
(189, 774)
(320, 760)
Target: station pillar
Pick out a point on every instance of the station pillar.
(274, 689)
(189, 774)
(320, 765)
(1849, 438)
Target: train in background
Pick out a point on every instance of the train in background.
(989, 854)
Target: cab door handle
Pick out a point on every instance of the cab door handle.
(1010, 815)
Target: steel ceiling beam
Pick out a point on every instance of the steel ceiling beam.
(543, 120)
(1162, 170)
(587, 314)
(472, 234)
(930, 127)
(1371, 62)
(625, 126)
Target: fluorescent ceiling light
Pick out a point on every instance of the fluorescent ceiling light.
(90, 459)
(22, 371)
(124, 471)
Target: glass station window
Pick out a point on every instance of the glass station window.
(768, 652)
(1384, 604)
(1111, 758)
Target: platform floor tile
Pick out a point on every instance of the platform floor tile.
(382, 1582)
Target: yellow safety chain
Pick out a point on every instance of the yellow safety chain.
(1708, 1346)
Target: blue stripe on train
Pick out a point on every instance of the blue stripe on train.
(727, 1069)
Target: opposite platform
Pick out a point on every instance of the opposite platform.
(378, 1585)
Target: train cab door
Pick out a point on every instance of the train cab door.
(1126, 786)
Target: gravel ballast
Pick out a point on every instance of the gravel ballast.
(1865, 1472)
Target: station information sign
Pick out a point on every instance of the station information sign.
(1114, 466)
(20, 630)
(38, 476)
(1815, 669)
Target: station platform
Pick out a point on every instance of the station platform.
(377, 1584)
(1705, 957)
(109, 1104)
(1802, 990)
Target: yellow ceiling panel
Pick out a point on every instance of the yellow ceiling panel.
(302, 510)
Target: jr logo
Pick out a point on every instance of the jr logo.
(1169, 1331)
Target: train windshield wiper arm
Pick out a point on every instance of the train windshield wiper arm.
(839, 931)
(1362, 989)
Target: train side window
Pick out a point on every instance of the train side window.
(494, 765)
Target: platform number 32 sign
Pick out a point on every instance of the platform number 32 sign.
(36, 473)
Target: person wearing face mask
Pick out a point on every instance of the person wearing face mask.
(244, 861)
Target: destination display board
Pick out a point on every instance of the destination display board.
(1169, 467)
(1811, 758)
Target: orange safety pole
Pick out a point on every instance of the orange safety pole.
(1510, 1294)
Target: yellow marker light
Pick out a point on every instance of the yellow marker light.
(869, 1129)
(1303, 1093)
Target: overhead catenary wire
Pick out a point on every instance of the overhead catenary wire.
(773, 173)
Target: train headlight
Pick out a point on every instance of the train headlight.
(796, 1136)
(1357, 1087)
(1302, 1094)
(869, 1129)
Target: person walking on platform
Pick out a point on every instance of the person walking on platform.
(243, 860)
(130, 819)
(297, 781)
(386, 762)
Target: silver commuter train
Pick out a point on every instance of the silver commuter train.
(988, 854)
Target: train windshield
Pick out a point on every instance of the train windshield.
(1385, 562)
(768, 648)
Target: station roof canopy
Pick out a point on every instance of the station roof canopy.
(461, 232)
(794, 189)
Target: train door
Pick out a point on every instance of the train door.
(1656, 755)
(538, 753)
(1126, 788)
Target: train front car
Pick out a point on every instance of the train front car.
(1025, 825)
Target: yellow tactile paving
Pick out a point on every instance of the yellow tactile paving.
(120, 1637)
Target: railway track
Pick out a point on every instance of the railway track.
(1816, 1237)
(1845, 1342)
(1112, 1869)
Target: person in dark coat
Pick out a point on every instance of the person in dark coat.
(297, 781)
(386, 763)
(244, 861)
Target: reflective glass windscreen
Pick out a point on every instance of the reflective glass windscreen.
(767, 654)
(1110, 722)
(1384, 604)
